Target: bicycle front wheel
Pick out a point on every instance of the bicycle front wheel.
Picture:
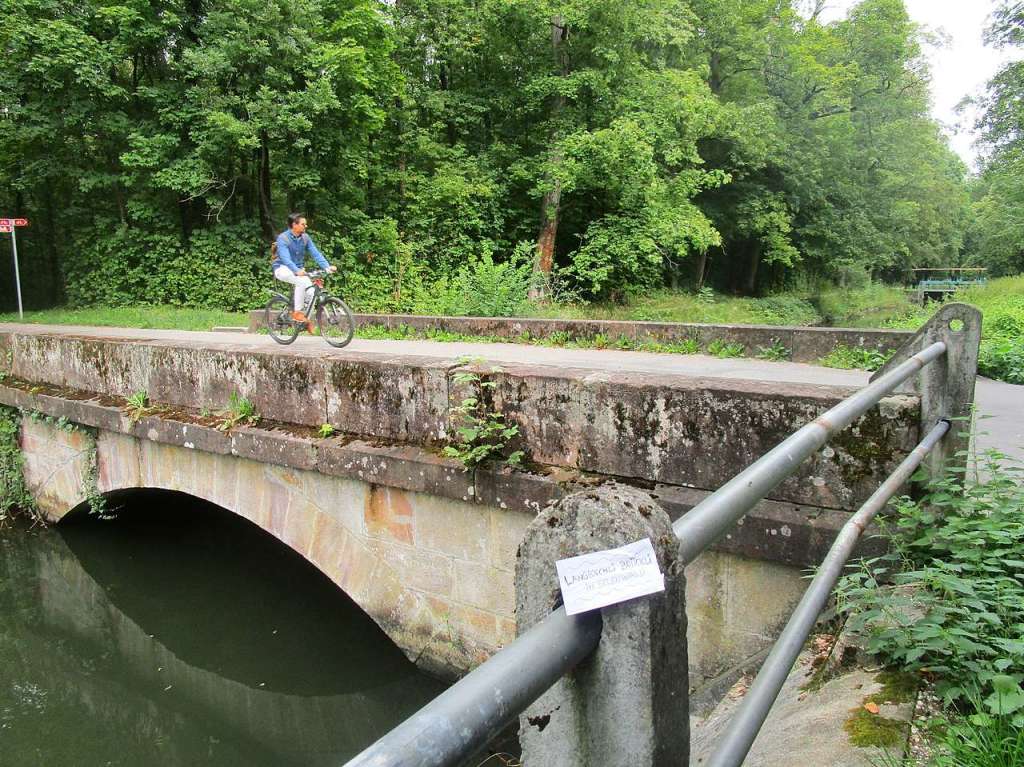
(336, 323)
(279, 320)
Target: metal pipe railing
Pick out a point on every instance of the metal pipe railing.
(460, 721)
(464, 718)
(746, 723)
(706, 522)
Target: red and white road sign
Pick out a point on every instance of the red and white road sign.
(6, 229)
(9, 222)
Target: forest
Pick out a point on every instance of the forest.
(586, 150)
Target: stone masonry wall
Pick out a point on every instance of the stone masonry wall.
(683, 431)
(435, 573)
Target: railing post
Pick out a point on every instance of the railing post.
(626, 704)
(946, 386)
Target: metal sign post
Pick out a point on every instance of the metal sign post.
(10, 225)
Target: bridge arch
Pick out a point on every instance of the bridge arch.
(358, 534)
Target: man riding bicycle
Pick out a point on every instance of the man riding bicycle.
(290, 261)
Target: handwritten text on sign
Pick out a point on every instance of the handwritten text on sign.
(604, 578)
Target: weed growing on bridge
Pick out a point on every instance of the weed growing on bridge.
(14, 494)
(720, 348)
(482, 434)
(7, 366)
(240, 411)
(776, 351)
(138, 406)
(855, 357)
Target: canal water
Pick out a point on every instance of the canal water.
(179, 634)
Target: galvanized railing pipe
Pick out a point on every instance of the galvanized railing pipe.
(746, 723)
(706, 522)
(464, 718)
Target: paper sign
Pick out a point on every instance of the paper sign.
(604, 578)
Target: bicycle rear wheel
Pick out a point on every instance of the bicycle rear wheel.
(336, 323)
(280, 325)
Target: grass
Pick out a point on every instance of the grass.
(166, 317)
(708, 307)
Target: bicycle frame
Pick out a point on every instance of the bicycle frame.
(311, 304)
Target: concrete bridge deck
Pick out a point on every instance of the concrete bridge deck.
(999, 404)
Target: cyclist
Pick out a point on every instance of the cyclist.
(290, 261)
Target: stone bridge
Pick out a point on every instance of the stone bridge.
(426, 548)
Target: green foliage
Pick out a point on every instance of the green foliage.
(979, 740)
(135, 317)
(861, 357)
(1003, 359)
(776, 351)
(481, 432)
(483, 288)
(325, 431)
(157, 148)
(720, 348)
(949, 597)
(138, 406)
(240, 412)
(14, 494)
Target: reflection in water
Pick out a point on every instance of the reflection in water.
(181, 635)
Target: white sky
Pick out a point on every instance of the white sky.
(960, 68)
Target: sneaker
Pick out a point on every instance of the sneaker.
(301, 317)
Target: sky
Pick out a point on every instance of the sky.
(960, 68)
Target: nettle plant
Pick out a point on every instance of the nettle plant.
(481, 432)
(948, 599)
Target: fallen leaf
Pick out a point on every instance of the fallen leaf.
(871, 707)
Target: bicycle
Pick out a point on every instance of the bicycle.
(333, 317)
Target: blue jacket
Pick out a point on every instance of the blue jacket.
(291, 252)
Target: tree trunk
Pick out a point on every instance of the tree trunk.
(263, 190)
(551, 203)
(750, 284)
(702, 263)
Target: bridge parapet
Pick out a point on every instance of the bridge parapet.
(694, 432)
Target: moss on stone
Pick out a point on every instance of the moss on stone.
(866, 729)
(897, 687)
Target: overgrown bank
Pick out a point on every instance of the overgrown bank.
(946, 604)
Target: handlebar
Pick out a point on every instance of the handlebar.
(313, 274)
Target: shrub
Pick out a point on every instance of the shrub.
(949, 597)
(855, 357)
(1003, 359)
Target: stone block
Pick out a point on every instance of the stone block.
(283, 386)
(484, 587)
(626, 704)
(736, 608)
(786, 533)
(449, 527)
(422, 571)
(389, 515)
(668, 429)
(508, 488)
(188, 435)
(407, 467)
(276, 447)
(402, 398)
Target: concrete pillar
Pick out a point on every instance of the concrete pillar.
(627, 704)
(946, 386)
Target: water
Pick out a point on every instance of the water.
(179, 634)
